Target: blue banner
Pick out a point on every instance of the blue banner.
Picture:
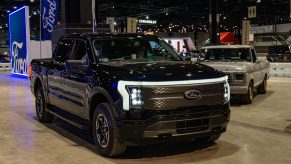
(49, 17)
(19, 40)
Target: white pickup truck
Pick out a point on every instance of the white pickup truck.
(246, 73)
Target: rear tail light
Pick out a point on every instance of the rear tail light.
(29, 71)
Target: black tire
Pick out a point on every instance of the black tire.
(40, 105)
(248, 98)
(208, 139)
(262, 89)
(106, 137)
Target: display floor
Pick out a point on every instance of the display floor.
(257, 133)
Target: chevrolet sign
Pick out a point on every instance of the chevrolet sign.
(143, 21)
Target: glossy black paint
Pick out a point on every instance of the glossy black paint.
(77, 92)
(160, 71)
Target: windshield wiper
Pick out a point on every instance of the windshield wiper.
(122, 58)
(116, 60)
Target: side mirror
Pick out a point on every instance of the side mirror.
(76, 66)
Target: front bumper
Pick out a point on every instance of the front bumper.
(238, 90)
(181, 124)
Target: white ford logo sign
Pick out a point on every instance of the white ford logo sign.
(19, 64)
(193, 94)
(48, 16)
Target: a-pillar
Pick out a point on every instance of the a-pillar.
(214, 21)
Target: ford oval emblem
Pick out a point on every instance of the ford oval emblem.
(193, 94)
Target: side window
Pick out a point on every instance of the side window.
(80, 51)
(63, 50)
(98, 48)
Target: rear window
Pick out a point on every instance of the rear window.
(63, 50)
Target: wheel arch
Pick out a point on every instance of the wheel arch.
(37, 81)
(266, 76)
(252, 81)
(37, 84)
(98, 96)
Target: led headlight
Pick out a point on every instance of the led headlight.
(226, 92)
(135, 97)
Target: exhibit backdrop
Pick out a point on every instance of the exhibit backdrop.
(49, 17)
(19, 40)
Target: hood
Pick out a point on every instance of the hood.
(160, 71)
(230, 66)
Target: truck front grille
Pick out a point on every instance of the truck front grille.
(173, 97)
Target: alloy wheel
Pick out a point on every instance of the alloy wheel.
(39, 105)
(102, 130)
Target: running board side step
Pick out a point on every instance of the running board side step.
(67, 119)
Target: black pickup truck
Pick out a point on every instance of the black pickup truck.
(129, 90)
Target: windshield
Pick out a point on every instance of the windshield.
(226, 54)
(133, 49)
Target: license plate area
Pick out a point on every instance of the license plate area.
(189, 126)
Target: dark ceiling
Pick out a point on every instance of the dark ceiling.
(190, 11)
(7, 6)
(186, 12)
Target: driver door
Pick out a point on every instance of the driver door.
(78, 80)
(55, 74)
(257, 68)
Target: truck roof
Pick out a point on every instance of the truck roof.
(96, 35)
(227, 46)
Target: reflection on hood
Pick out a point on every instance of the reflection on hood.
(161, 71)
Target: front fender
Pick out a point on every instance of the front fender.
(249, 77)
(99, 90)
